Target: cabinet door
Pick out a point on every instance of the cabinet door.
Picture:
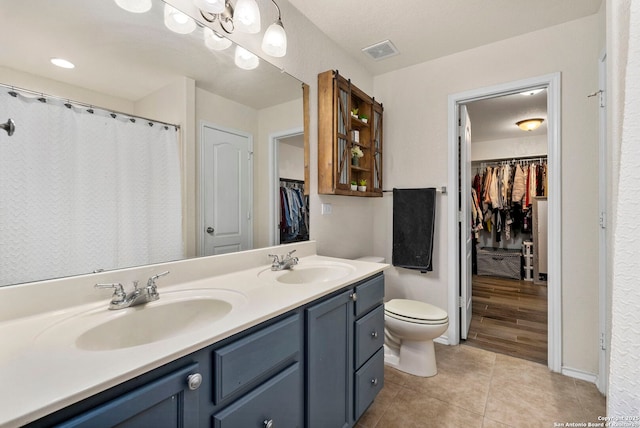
(329, 362)
(167, 402)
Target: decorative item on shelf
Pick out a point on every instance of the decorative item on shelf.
(354, 185)
(356, 154)
(362, 185)
(354, 112)
(355, 136)
(364, 118)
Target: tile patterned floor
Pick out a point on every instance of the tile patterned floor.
(478, 388)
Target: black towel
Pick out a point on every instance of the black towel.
(414, 212)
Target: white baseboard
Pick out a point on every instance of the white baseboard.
(444, 340)
(579, 374)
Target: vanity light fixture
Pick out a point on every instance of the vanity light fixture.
(245, 59)
(274, 42)
(210, 6)
(530, 124)
(177, 21)
(134, 6)
(215, 42)
(63, 63)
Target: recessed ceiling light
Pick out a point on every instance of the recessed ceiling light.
(532, 91)
(62, 63)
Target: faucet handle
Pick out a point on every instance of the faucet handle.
(276, 258)
(118, 292)
(290, 252)
(151, 283)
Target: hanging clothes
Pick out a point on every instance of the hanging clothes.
(502, 194)
(294, 212)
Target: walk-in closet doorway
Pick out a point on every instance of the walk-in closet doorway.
(496, 304)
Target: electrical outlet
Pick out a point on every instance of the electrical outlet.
(326, 209)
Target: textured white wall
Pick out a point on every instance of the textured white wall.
(624, 380)
(509, 148)
(415, 100)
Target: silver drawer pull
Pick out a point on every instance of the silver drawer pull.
(374, 334)
(194, 381)
(374, 381)
(268, 423)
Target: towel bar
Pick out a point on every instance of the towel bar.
(442, 190)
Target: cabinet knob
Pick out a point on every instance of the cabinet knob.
(353, 296)
(268, 423)
(374, 334)
(374, 381)
(194, 381)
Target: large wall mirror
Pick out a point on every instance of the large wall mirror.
(131, 69)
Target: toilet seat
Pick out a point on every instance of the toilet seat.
(415, 312)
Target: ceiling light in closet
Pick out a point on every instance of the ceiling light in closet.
(63, 63)
(530, 124)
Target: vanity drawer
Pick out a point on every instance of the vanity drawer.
(278, 401)
(369, 335)
(251, 360)
(370, 294)
(369, 380)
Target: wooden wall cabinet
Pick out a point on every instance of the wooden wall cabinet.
(340, 130)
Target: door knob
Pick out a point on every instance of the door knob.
(210, 230)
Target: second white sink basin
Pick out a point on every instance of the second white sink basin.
(309, 273)
(176, 313)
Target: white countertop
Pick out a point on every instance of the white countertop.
(39, 375)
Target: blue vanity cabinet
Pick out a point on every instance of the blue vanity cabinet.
(329, 362)
(171, 401)
(345, 360)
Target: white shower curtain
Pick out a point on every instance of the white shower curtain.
(82, 191)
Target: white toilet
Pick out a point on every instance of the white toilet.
(410, 327)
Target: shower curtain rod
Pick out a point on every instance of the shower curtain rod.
(82, 104)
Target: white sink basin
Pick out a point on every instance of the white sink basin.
(176, 313)
(309, 273)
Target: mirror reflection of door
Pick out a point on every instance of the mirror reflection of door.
(291, 204)
(226, 191)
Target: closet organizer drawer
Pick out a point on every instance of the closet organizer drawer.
(369, 335)
(499, 262)
(249, 361)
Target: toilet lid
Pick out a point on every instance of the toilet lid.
(414, 310)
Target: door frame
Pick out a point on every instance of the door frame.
(603, 366)
(554, 285)
(204, 124)
(274, 179)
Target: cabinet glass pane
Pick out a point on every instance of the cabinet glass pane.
(343, 161)
(377, 118)
(377, 170)
(342, 112)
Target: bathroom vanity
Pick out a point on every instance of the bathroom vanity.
(299, 348)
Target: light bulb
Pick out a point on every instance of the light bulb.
(211, 6)
(215, 42)
(246, 16)
(274, 42)
(245, 59)
(177, 21)
(134, 6)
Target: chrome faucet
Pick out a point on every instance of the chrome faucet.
(120, 299)
(283, 262)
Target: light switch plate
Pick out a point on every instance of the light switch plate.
(326, 209)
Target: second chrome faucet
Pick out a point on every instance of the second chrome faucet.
(121, 299)
(283, 262)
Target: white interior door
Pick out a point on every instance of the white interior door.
(226, 188)
(466, 242)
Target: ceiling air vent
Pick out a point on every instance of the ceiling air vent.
(381, 50)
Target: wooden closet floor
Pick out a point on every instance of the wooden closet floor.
(509, 317)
